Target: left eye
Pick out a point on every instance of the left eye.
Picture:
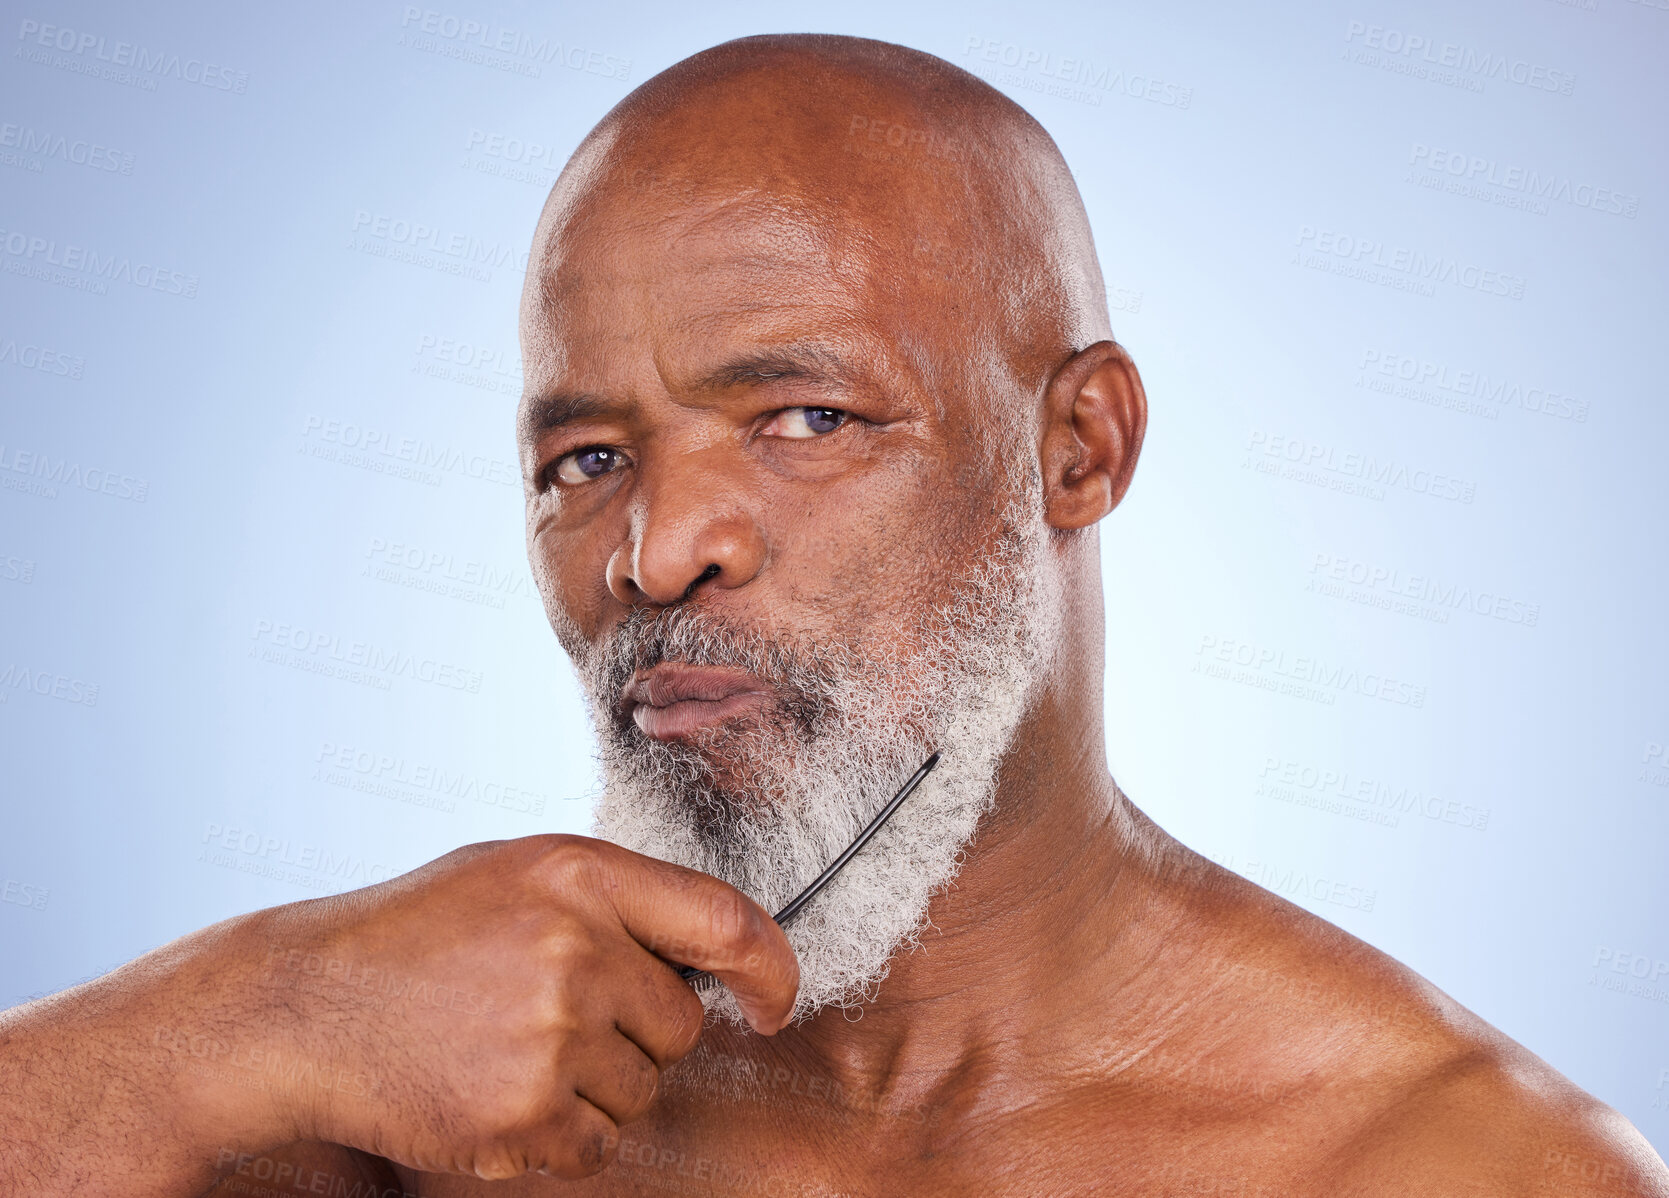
(800, 423)
(583, 465)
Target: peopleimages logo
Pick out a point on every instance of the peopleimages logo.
(419, 236)
(1305, 458)
(47, 684)
(24, 894)
(521, 151)
(450, 360)
(35, 473)
(384, 452)
(1369, 799)
(1332, 573)
(1643, 974)
(279, 857)
(319, 652)
(75, 150)
(150, 65)
(387, 775)
(1301, 883)
(42, 358)
(466, 33)
(1420, 56)
(1413, 270)
(44, 257)
(1379, 366)
(1474, 171)
(1654, 764)
(441, 572)
(20, 570)
(1273, 669)
(1079, 72)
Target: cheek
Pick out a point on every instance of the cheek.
(570, 573)
(871, 558)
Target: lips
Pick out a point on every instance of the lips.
(672, 701)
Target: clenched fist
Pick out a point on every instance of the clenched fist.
(501, 1010)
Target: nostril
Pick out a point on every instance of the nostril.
(712, 571)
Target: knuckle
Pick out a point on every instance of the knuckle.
(569, 941)
(734, 922)
(584, 1145)
(568, 863)
(498, 1162)
(565, 1018)
(562, 1015)
(642, 1082)
(684, 1027)
(510, 1110)
(769, 972)
(596, 1148)
(785, 976)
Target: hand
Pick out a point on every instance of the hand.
(503, 1009)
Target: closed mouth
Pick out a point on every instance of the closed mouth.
(673, 700)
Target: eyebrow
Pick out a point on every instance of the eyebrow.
(558, 408)
(809, 362)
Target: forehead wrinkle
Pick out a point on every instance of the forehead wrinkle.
(743, 261)
(784, 222)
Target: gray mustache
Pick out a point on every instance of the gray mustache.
(645, 639)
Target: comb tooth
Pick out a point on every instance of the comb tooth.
(705, 983)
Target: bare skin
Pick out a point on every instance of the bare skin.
(1096, 1009)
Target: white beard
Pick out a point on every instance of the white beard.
(851, 730)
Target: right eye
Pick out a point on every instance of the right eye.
(583, 465)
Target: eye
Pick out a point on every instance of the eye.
(583, 465)
(800, 423)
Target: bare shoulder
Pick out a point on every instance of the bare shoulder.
(1398, 1089)
(1499, 1122)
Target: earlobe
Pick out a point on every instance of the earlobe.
(1095, 413)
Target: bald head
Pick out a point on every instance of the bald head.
(935, 201)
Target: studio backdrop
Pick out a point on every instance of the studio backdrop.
(1385, 604)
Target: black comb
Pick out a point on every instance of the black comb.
(704, 981)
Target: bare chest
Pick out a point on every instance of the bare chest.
(1061, 1149)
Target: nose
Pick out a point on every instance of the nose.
(686, 533)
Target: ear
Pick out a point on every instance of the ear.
(1094, 413)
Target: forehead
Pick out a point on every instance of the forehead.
(650, 282)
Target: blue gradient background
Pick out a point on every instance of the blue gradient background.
(116, 816)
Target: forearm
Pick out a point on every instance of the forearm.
(140, 1078)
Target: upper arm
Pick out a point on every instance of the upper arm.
(306, 1168)
(1486, 1131)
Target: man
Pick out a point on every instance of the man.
(822, 411)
